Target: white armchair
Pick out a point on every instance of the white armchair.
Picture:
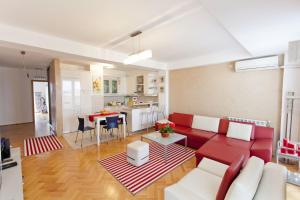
(255, 181)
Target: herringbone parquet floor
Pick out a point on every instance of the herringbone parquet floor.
(75, 174)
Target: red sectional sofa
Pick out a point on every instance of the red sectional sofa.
(216, 146)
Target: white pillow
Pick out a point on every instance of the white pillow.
(245, 185)
(239, 131)
(206, 123)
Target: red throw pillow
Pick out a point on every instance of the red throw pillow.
(299, 150)
(285, 142)
(291, 146)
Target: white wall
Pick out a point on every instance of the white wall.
(16, 95)
(83, 75)
(291, 83)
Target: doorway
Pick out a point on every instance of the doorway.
(40, 98)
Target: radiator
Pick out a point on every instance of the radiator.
(257, 122)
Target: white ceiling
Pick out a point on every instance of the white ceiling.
(197, 33)
(180, 33)
(10, 57)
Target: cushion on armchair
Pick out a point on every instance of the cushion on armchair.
(198, 184)
(245, 185)
(230, 174)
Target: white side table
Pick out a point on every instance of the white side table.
(12, 182)
(138, 153)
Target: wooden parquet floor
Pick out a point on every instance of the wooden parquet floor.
(76, 174)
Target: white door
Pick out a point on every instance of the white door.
(71, 104)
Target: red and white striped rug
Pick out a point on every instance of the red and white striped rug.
(137, 178)
(37, 145)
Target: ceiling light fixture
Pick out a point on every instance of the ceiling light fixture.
(109, 67)
(23, 53)
(133, 58)
(139, 54)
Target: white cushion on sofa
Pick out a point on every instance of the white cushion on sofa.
(245, 185)
(213, 167)
(197, 184)
(206, 123)
(239, 131)
(273, 183)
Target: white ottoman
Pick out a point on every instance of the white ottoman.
(138, 153)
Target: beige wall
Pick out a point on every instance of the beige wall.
(217, 90)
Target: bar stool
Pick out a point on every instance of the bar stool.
(161, 111)
(120, 121)
(148, 116)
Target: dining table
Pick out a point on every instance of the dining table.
(97, 117)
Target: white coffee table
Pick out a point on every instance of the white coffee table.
(165, 141)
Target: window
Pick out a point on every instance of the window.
(114, 86)
(106, 86)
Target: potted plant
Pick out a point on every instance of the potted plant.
(166, 129)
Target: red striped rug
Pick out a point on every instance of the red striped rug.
(137, 178)
(37, 145)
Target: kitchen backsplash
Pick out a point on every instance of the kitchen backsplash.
(121, 99)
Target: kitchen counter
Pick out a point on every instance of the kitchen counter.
(134, 115)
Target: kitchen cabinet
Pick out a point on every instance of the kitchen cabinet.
(113, 86)
(151, 85)
(145, 83)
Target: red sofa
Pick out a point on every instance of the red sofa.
(216, 146)
(183, 125)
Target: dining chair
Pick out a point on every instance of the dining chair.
(83, 129)
(101, 125)
(111, 124)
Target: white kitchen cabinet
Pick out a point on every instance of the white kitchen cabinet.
(136, 120)
(131, 84)
(114, 82)
(151, 84)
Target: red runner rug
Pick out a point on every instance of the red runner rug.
(92, 117)
(37, 145)
(137, 178)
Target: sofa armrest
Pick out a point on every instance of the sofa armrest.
(262, 148)
(273, 183)
(262, 132)
(170, 117)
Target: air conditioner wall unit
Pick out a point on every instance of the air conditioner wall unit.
(264, 63)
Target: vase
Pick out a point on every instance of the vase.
(164, 135)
